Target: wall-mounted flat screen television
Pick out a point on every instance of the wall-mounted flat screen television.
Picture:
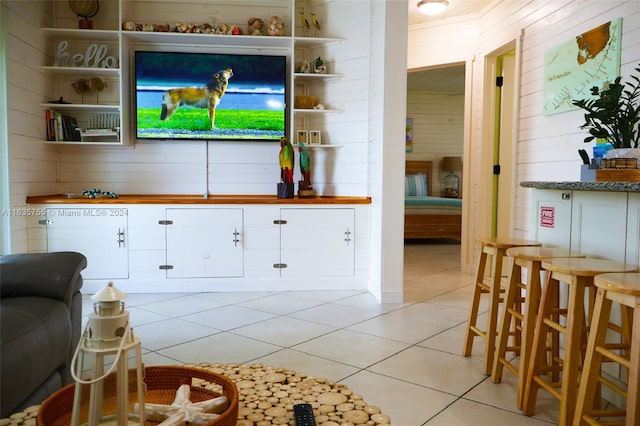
(210, 96)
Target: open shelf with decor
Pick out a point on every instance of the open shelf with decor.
(102, 48)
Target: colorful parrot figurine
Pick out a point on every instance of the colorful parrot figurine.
(305, 162)
(287, 160)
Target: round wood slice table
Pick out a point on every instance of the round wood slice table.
(267, 396)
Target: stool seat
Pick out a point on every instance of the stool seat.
(624, 290)
(578, 274)
(523, 317)
(505, 243)
(585, 267)
(492, 252)
(625, 283)
(538, 253)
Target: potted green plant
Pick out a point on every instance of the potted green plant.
(614, 113)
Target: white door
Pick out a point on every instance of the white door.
(590, 234)
(317, 242)
(204, 243)
(98, 233)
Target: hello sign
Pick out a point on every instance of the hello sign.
(94, 57)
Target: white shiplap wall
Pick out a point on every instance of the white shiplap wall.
(245, 167)
(438, 127)
(32, 165)
(546, 146)
(184, 167)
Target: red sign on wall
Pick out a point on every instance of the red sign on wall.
(547, 217)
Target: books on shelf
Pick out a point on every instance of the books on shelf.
(61, 127)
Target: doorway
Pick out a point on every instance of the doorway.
(436, 107)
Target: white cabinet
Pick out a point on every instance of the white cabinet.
(633, 229)
(148, 247)
(317, 242)
(98, 233)
(204, 243)
(597, 223)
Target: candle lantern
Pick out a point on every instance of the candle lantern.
(451, 180)
(106, 337)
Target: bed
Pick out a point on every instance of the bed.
(428, 216)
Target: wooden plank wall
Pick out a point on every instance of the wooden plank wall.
(438, 124)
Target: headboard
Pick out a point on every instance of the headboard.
(414, 167)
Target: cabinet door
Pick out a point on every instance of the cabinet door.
(633, 229)
(98, 233)
(552, 215)
(204, 243)
(598, 224)
(317, 242)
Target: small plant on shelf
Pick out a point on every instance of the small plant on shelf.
(614, 113)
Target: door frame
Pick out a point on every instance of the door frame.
(489, 189)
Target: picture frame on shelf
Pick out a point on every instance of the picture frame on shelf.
(302, 136)
(315, 137)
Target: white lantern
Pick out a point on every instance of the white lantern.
(107, 336)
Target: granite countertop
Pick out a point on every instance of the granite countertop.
(584, 186)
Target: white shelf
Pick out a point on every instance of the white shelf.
(209, 39)
(84, 35)
(85, 143)
(325, 146)
(88, 107)
(316, 41)
(82, 70)
(315, 76)
(315, 111)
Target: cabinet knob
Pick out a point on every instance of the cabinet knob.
(566, 195)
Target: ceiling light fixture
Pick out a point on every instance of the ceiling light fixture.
(432, 7)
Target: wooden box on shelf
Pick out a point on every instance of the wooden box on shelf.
(618, 170)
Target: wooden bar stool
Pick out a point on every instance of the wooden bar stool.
(578, 274)
(531, 259)
(625, 290)
(491, 285)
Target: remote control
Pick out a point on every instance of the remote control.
(303, 415)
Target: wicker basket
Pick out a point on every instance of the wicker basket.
(162, 384)
(305, 102)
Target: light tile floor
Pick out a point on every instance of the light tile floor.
(405, 358)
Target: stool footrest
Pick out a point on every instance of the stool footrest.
(509, 366)
(605, 352)
(551, 387)
(478, 332)
(552, 324)
(611, 385)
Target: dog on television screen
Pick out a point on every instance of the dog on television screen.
(207, 96)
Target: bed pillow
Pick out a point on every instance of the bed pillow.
(416, 185)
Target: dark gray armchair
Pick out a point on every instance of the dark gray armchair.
(40, 321)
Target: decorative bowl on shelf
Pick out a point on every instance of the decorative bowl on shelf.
(305, 102)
